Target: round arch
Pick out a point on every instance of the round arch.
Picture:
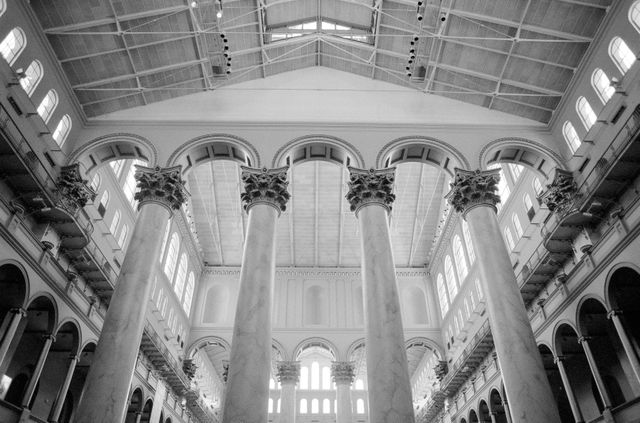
(522, 151)
(579, 307)
(46, 297)
(555, 344)
(318, 147)
(210, 147)
(107, 148)
(611, 302)
(357, 344)
(424, 150)
(316, 342)
(14, 281)
(208, 340)
(277, 348)
(426, 342)
(76, 333)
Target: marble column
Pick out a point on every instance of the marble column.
(54, 415)
(343, 374)
(597, 377)
(106, 390)
(37, 371)
(15, 315)
(247, 396)
(573, 403)
(526, 385)
(390, 398)
(615, 316)
(288, 375)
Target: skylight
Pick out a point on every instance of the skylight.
(325, 27)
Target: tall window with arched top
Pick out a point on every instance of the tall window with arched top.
(326, 378)
(123, 235)
(442, 295)
(181, 276)
(537, 186)
(634, 15)
(62, 130)
(13, 44)
(528, 206)
(602, 85)
(95, 182)
(571, 137)
(621, 54)
(164, 241)
(508, 236)
(516, 225)
(115, 222)
(48, 105)
(503, 187)
(32, 77)
(188, 294)
(3, 7)
(461, 260)
(467, 242)
(326, 406)
(130, 183)
(172, 256)
(315, 406)
(452, 284)
(117, 166)
(586, 113)
(360, 406)
(315, 375)
(270, 407)
(516, 171)
(303, 406)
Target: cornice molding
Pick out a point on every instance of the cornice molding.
(313, 272)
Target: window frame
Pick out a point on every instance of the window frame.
(571, 137)
(62, 130)
(46, 111)
(620, 53)
(29, 84)
(13, 52)
(602, 85)
(586, 113)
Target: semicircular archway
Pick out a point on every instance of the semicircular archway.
(423, 150)
(318, 147)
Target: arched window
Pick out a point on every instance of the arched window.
(516, 225)
(315, 406)
(104, 202)
(181, 276)
(508, 236)
(272, 383)
(528, 206)
(503, 187)
(326, 406)
(634, 15)
(467, 241)
(32, 77)
(442, 295)
(326, 378)
(586, 113)
(48, 105)
(359, 385)
(602, 85)
(13, 44)
(95, 182)
(452, 284)
(571, 137)
(516, 171)
(115, 222)
(304, 377)
(360, 406)
(172, 256)
(188, 294)
(278, 406)
(270, 410)
(461, 260)
(315, 375)
(164, 241)
(117, 166)
(303, 406)
(62, 130)
(537, 186)
(130, 183)
(621, 54)
(123, 235)
(3, 7)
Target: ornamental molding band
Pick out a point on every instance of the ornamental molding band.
(560, 193)
(74, 191)
(314, 273)
(265, 186)
(288, 371)
(160, 185)
(373, 186)
(472, 188)
(343, 372)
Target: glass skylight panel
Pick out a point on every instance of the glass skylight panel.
(314, 27)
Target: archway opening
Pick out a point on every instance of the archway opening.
(555, 381)
(134, 408)
(85, 359)
(146, 412)
(483, 412)
(14, 293)
(473, 416)
(497, 408)
(624, 296)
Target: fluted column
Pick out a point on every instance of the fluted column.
(575, 408)
(54, 415)
(105, 395)
(15, 315)
(37, 371)
(342, 373)
(247, 396)
(526, 385)
(597, 377)
(614, 315)
(389, 386)
(288, 375)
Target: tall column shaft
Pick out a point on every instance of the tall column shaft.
(288, 375)
(247, 394)
(575, 408)
(604, 395)
(390, 398)
(106, 390)
(343, 375)
(15, 315)
(54, 415)
(526, 385)
(614, 315)
(37, 371)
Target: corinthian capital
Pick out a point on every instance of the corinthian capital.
(371, 186)
(560, 193)
(472, 188)
(160, 185)
(265, 186)
(72, 188)
(343, 372)
(288, 371)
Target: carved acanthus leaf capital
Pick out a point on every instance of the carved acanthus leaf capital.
(373, 186)
(472, 188)
(74, 191)
(343, 372)
(160, 185)
(265, 186)
(560, 193)
(288, 371)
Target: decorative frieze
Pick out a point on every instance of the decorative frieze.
(160, 185)
(74, 191)
(288, 371)
(265, 186)
(370, 186)
(561, 193)
(343, 372)
(472, 188)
